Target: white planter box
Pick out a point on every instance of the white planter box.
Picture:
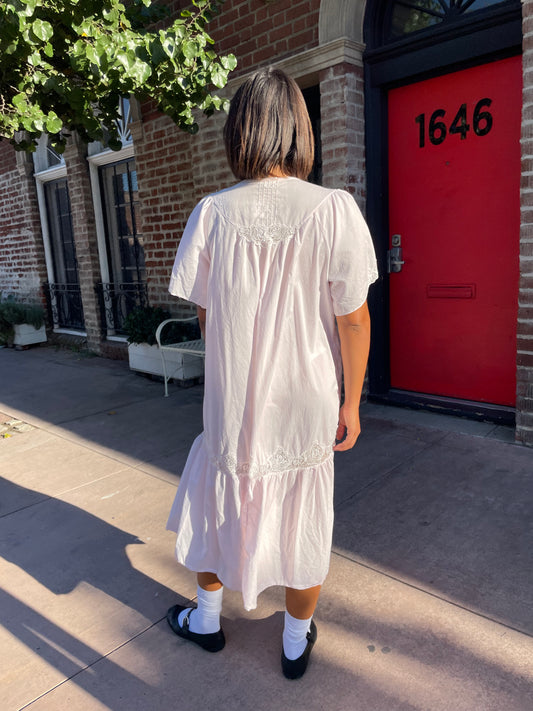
(25, 335)
(180, 366)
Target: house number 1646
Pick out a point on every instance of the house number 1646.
(437, 129)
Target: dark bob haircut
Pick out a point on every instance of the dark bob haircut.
(268, 128)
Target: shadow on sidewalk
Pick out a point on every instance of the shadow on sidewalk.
(63, 548)
(64, 653)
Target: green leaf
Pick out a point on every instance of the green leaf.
(127, 59)
(229, 62)
(35, 59)
(111, 15)
(29, 37)
(53, 123)
(169, 47)
(179, 30)
(141, 71)
(157, 53)
(27, 123)
(92, 55)
(42, 29)
(219, 77)
(190, 49)
(29, 7)
(11, 48)
(19, 100)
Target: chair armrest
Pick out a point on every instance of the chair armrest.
(166, 322)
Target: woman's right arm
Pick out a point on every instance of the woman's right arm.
(201, 313)
(354, 333)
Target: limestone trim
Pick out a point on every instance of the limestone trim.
(54, 173)
(341, 19)
(338, 51)
(306, 65)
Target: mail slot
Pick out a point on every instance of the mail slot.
(451, 291)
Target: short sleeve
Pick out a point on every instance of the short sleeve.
(190, 273)
(352, 266)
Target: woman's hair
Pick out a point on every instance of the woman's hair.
(268, 128)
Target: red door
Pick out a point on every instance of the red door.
(454, 179)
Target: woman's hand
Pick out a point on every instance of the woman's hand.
(348, 430)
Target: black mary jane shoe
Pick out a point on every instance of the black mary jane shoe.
(212, 642)
(295, 668)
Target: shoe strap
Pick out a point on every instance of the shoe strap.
(185, 623)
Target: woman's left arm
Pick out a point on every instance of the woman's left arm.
(354, 333)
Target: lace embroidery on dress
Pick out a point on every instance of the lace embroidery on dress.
(280, 461)
(267, 230)
(266, 234)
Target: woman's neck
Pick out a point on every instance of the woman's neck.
(277, 172)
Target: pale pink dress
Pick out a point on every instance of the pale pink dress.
(272, 261)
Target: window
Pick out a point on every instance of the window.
(120, 245)
(120, 201)
(63, 288)
(64, 291)
(409, 16)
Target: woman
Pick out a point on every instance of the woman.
(279, 270)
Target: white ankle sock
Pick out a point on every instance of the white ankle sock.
(295, 636)
(206, 618)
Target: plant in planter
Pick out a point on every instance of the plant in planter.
(141, 324)
(21, 323)
(140, 327)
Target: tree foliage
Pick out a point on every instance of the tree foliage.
(64, 64)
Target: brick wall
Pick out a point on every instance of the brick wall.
(164, 171)
(524, 403)
(260, 32)
(22, 269)
(342, 129)
(174, 171)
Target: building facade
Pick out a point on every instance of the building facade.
(423, 110)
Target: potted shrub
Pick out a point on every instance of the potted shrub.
(140, 327)
(21, 324)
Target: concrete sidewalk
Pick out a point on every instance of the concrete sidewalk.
(428, 604)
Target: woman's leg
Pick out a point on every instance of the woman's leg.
(201, 624)
(208, 581)
(297, 643)
(205, 618)
(301, 603)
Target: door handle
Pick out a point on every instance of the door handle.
(395, 255)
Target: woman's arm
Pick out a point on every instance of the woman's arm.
(354, 333)
(200, 312)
